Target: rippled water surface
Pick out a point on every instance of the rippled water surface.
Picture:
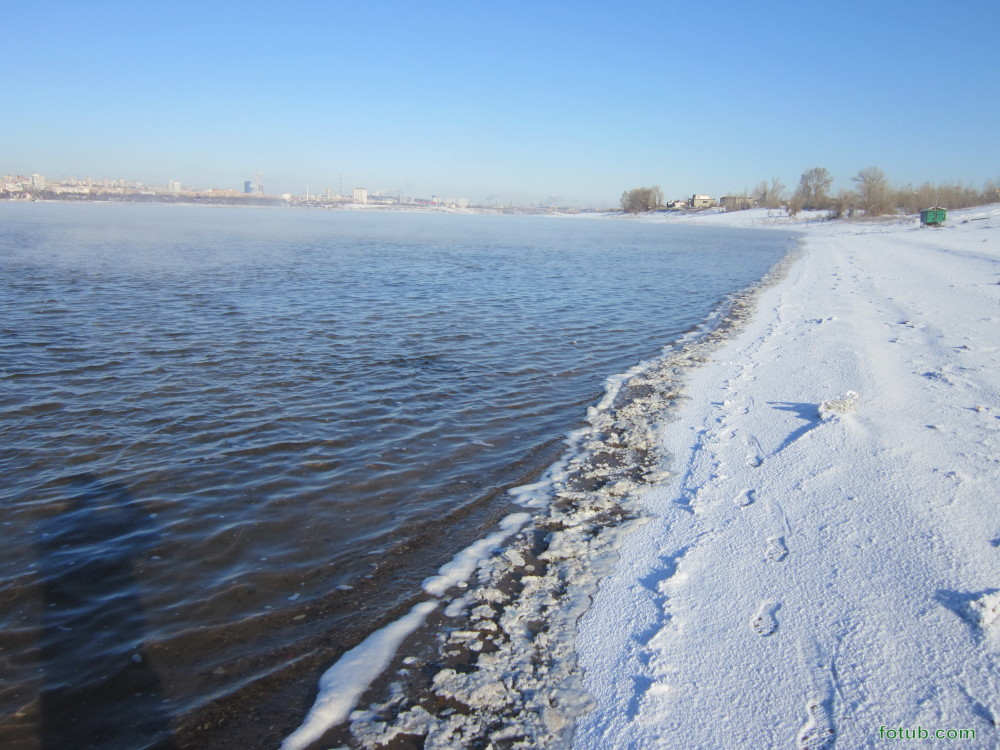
(228, 435)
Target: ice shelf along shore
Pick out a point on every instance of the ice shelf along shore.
(823, 569)
(812, 556)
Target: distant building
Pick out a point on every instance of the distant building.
(174, 186)
(248, 187)
(702, 201)
(360, 195)
(37, 181)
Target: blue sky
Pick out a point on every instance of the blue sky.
(509, 101)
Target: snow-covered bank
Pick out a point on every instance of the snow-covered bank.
(823, 568)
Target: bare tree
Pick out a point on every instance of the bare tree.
(991, 192)
(761, 193)
(769, 195)
(777, 192)
(642, 199)
(873, 191)
(814, 187)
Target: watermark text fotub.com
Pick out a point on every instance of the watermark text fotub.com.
(902, 733)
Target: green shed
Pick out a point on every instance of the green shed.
(933, 217)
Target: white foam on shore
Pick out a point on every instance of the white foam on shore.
(464, 564)
(341, 685)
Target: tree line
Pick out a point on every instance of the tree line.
(872, 195)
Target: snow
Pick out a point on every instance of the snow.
(824, 560)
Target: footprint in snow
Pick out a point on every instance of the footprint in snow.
(764, 623)
(745, 498)
(776, 549)
(755, 456)
(817, 733)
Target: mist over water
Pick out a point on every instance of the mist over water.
(255, 427)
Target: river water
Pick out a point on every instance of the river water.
(236, 440)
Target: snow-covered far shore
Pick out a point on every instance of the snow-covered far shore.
(823, 567)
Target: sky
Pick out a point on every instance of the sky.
(569, 103)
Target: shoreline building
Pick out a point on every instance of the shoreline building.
(361, 195)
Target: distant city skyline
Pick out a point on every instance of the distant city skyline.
(35, 185)
(562, 103)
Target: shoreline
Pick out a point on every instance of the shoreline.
(499, 650)
(499, 663)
